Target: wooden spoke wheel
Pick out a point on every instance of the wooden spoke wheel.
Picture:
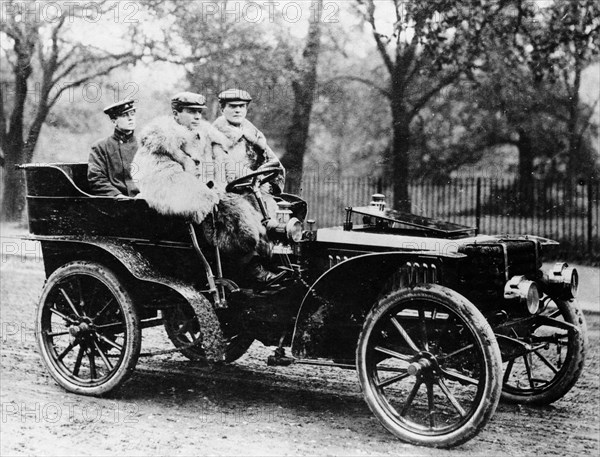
(182, 327)
(556, 341)
(87, 329)
(429, 366)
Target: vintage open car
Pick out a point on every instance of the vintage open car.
(440, 323)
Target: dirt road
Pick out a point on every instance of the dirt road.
(171, 406)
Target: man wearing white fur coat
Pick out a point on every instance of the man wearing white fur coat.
(181, 168)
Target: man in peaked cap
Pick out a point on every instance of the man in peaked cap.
(110, 160)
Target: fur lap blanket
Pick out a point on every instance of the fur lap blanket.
(182, 172)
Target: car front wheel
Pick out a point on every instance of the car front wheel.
(429, 366)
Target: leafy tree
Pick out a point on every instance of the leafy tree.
(534, 83)
(43, 62)
(464, 77)
(217, 47)
(571, 42)
(430, 46)
(220, 49)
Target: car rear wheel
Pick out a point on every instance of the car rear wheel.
(87, 328)
(182, 328)
(557, 340)
(429, 366)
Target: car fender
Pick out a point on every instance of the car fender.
(332, 311)
(141, 268)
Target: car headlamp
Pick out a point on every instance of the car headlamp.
(285, 231)
(525, 291)
(563, 281)
(293, 229)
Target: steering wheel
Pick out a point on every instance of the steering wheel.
(254, 179)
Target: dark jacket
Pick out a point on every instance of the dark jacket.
(109, 165)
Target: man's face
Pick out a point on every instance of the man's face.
(189, 117)
(125, 121)
(235, 112)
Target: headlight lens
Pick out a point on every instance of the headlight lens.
(294, 230)
(533, 297)
(564, 280)
(525, 291)
(572, 280)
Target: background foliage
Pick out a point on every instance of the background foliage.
(397, 90)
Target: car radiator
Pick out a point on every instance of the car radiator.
(489, 265)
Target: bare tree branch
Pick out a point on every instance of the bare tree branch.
(586, 123)
(445, 81)
(385, 92)
(3, 131)
(336, 44)
(68, 53)
(381, 47)
(85, 79)
(125, 56)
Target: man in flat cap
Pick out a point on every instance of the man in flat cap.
(110, 160)
(181, 170)
(248, 148)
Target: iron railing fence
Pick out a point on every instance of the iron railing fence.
(567, 213)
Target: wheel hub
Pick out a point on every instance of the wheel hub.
(80, 330)
(419, 366)
(424, 365)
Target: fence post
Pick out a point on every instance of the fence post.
(478, 207)
(590, 189)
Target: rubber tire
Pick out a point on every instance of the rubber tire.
(194, 353)
(233, 350)
(571, 370)
(485, 336)
(133, 335)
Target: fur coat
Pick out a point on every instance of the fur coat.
(184, 173)
(248, 150)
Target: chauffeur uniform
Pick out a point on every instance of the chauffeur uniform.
(109, 162)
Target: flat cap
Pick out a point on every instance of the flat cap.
(119, 108)
(188, 100)
(235, 95)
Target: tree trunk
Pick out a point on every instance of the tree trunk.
(526, 154)
(574, 140)
(297, 138)
(400, 149)
(400, 164)
(304, 87)
(13, 188)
